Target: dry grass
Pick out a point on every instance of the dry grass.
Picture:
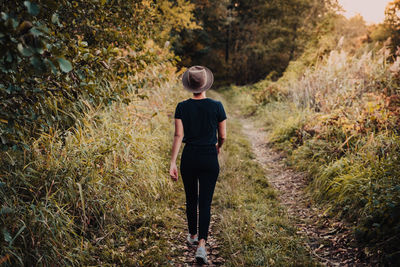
(340, 80)
(99, 193)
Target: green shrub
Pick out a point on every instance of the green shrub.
(96, 194)
(57, 54)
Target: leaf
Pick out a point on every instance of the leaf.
(26, 52)
(51, 65)
(18, 233)
(65, 65)
(6, 235)
(39, 50)
(38, 64)
(14, 23)
(4, 16)
(55, 19)
(9, 57)
(44, 29)
(33, 8)
(35, 31)
(10, 89)
(81, 74)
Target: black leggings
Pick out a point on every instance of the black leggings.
(199, 168)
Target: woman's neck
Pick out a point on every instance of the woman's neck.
(199, 96)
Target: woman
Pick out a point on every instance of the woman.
(197, 121)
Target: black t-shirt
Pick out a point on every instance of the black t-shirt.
(200, 120)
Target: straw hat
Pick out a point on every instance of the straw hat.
(197, 79)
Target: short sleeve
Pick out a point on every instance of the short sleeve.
(221, 112)
(178, 111)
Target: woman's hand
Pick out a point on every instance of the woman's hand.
(218, 148)
(173, 172)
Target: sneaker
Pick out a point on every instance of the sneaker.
(192, 241)
(201, 255)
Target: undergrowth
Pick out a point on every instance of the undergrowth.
(339, 123)
(99, 193)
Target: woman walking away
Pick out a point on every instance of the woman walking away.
(197, 121)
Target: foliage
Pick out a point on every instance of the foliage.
(97, 194)
(57, 53)
(379, 33)
(349, 79)
(84, 91)
(177, 15)
(244, 41)
(393, 21)
(333, 32)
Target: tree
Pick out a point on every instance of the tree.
(55, 53)
(392, 19)
(244, 41)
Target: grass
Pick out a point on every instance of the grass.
(255, 229)
(98, 194)
(339, 123)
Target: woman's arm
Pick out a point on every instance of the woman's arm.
(221, 134)
(173, 171)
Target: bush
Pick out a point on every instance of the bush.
(96, 194)
(58, 54)
(84, 91)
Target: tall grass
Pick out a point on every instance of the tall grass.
(339, 123)
(340, 80)
(98, 193)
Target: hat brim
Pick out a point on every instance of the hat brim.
(207, 85)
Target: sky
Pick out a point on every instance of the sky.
(373, 11)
